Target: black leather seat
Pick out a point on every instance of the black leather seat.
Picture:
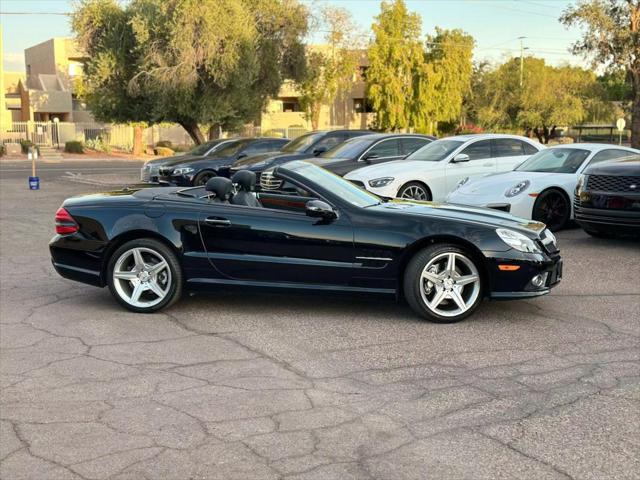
(221, 188)
(246, 181)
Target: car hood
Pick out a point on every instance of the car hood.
(199, 162)
(499, 183)
(463, 213)
(266, 160)
(389, 169)
(620, 167)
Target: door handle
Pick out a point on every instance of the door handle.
(221, 222)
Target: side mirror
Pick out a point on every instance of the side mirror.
(460, 158)
(319, 150)
(319, 209)
(241, 155)
(370, 156)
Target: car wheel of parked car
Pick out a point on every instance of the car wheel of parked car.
(202, 178)
(144, 275)
(415, 191)
(552, 208)
(442, 283)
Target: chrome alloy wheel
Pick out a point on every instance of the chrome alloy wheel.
(142, 277)
(449, 284)
(414, 192)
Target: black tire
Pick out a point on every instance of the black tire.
(160, 249)
(407, 188)
(203, 177)
(553, 209)
(413, 283)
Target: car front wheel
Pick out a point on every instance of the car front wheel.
(442, 283)
(144, 275)
(415, 191)
(202, 178)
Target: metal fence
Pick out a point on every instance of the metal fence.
(120, 136)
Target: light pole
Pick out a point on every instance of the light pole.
(522, 49)
(56, 121)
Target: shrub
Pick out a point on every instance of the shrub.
(468, 128)
(163, 151)
(73, 146)
(2, 150)
(25, 145)
(98, 145)
(164, 143)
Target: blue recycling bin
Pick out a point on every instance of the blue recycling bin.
(34, 183)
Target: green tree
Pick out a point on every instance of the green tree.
(611, 37)
(396, 61)
(549, 96)
(445, 79)
(188, 61)
(331, 68)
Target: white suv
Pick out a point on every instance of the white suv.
(437, 168)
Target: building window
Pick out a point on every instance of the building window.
(363, 72)
(362, 105)
(290, 104)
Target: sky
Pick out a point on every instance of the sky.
(495, 25)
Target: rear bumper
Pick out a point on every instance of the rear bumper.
(71, 259)
(78, 274)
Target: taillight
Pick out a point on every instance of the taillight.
(65, 223)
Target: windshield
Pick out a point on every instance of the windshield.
(231, 148)
(203, 148)
(435, 151)
(303, 142)
(336, 185)
(349, 149)
(555, 160)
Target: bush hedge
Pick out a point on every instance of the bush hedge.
(73, 146)
(163, 151)
(164, 143)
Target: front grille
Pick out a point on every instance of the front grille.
(165, 171)
(358, 183)
(269, 182)
(576, 202)
(613, 183)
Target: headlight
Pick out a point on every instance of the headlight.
(182, 170)
(581, 182)
(380, 182)
(461, 183)
(517, 188)
(517, 240)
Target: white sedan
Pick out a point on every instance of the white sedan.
(541, 188)
(436, 169)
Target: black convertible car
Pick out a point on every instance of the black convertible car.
(150, 244)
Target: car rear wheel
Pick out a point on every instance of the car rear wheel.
(202, 178)
(415, 191)
(442, 283)
(144, 275)
(552, 208)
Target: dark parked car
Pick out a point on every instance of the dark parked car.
(198, 170)
(369, 150)
(607, 199)
(150, 170)
(148, 245)
(308, 145)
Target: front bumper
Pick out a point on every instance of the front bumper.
(517, 206)
(177, 180)
(520, 283)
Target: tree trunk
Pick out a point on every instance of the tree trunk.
(137, 140)
(315, 115)
(635, 111)
(537, 133)
(214, 131)
(193, 130)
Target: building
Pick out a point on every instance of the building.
(46, 90)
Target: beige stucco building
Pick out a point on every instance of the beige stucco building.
(46, 90)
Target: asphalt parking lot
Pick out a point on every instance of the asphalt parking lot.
(244, 386)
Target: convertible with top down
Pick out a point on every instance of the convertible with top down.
(317, 232)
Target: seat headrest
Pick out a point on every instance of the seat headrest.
(220, 186)
(245, 179)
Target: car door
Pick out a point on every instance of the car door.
(509, 153)
(264, 245)
(480, 163)
(255, 148)
(382, 151)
